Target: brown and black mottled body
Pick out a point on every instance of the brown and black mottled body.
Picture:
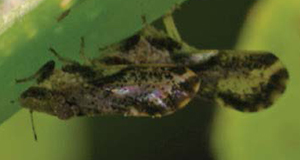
(133, 91)
(151, 74)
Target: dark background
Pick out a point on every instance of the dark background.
(206, 24)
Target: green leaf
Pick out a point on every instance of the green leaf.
(24, 42)
(272, 25)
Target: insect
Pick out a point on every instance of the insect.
(154, 73)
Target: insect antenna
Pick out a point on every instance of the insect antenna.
(32, 125)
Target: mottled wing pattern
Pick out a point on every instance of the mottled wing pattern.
(136, 90)
(244, 80)
(142, 90)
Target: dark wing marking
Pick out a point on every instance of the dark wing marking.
(243, 80)
(164, 43)
(84, 71)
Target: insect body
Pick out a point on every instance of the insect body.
(133, 90)
(155, 74)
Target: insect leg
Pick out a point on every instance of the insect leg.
(171, 27)
(60, 58)
(174, 34)
(32, 125)
(43, 73)
(148, 30)
(81, 52)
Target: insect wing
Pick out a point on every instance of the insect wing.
(243, 80)
(148, 90)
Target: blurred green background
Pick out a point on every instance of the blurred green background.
(201, 130)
